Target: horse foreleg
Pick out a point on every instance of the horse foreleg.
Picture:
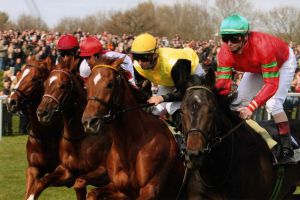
(99, 177)
(60, 177)
(31, 176)
(152, 189)
(107, 192)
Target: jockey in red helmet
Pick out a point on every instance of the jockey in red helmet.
(91, 48)
(67, 45)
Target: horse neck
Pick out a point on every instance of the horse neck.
(126, 128)
(73, 112)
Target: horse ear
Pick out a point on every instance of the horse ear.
(118, 62)
(210, 77)
(48, 63)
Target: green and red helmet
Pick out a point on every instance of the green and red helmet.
(234, 24)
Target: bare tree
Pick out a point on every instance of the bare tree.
(283, 22)
(30, 22)
(5, 23)
(68, 24)
(188, 19)
(137, 20)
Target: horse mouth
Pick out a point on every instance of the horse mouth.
(91, 125)
(45, 117)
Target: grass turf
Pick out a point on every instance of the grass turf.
(13, 164)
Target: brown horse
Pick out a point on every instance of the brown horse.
(142, 162)
(227, 159)
(82, 156)
(42, 143)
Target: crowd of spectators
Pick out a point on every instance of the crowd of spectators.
(17, 46)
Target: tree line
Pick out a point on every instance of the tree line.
(189, 19)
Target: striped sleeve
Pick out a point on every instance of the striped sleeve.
(224, 71)
(270, 73)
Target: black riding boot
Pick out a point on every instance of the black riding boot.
(286, 152)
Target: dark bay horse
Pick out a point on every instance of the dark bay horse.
(82, 156)
(227, 159)
(43, 140)
(142, 162)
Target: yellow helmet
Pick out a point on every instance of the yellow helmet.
(144, 43)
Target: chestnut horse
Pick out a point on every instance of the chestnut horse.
(142, 162)
(43, 140)
(227, 159)
(82, 156)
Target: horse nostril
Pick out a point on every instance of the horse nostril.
(93, 121)
(13, 102)
(42, 113)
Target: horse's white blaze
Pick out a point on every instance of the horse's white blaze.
(53, 78)
(31, 197)
(97, 78)
(25, 73)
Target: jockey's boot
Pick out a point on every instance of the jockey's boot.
(286, 153)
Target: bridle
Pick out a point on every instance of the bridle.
(25, 98)
(212, 142)
(115, 109)
(56, 100)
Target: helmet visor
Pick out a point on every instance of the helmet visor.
(143, 57)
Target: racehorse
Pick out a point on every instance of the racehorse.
(226, 158)
(142, 162)
(82, 156)
(42, 143)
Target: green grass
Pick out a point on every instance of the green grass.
(13, 164)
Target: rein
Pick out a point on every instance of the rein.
(114, 113)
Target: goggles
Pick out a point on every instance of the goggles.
(142, 57)
(236, 38)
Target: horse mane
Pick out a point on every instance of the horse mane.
(138, 94)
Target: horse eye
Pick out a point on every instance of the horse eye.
(110, 85)
(63, 86)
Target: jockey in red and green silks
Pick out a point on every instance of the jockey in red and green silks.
(269, 65)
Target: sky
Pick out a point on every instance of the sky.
(51, 11)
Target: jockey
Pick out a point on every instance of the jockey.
(269, 65)
(91, 48)
(67, 45)
(169, 69)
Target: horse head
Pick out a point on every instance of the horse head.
(58, 89)
(104, 90)
(30, 84)
(198, 106)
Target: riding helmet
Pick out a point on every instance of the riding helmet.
(234, 24)
(144, 43)
(90, 46)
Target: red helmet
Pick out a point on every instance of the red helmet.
(90, 46)
(66, 42)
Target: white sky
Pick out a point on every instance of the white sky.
(53, 10)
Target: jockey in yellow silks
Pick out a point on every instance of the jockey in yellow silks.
(168, 68)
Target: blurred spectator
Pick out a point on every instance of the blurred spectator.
(6, 116)
(3, 54)
(295, 86)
